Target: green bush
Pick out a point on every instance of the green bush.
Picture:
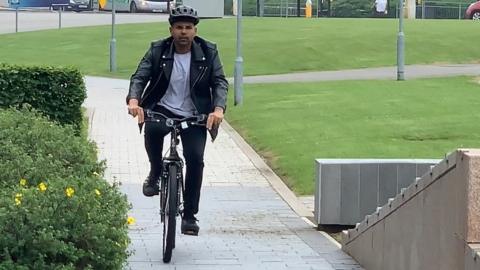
(352, 8)
(37, 149)
(42, 226)
(249, 7)
(57, 92)
(70, 223)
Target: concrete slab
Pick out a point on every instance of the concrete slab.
(245, 223)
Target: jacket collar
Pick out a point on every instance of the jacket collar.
(197, 52)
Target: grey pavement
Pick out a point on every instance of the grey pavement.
(379, 73)
(42, 20)
(245, 223)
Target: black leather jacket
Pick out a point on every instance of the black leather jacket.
(208, 85)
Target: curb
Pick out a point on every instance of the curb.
(275, 182)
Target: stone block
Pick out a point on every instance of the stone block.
(350, 207)
(387, 185)
(368, 188)
(407, 172)
(330, 198)
(473, 201)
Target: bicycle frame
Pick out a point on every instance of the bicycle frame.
(171, 183)
(173, 159)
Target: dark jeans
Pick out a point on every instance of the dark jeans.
(193, 142)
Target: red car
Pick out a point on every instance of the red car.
(473, 11)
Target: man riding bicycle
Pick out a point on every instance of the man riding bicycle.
(180, 76)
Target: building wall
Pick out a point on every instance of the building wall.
(207, 8)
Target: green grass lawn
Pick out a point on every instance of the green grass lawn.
(292, 124)
(271, 45)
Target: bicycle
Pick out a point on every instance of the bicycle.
(171, 181)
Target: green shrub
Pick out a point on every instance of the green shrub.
(352, 8)
(57, 92)
(37, 149)
(41, 225)
(71, 223)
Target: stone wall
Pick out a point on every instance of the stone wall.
(431, 225)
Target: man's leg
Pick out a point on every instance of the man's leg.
(154, 133)
(193, 141)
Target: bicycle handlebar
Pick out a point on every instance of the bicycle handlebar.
(197, 120)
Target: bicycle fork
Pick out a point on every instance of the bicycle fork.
(163, 187)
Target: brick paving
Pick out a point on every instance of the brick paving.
(244, 223)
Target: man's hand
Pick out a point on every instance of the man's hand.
(215, 118)
(135, 110)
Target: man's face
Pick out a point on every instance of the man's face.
(183, 33)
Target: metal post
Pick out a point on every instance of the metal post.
(261, 8)
(16, 19)
(60, 17)
(281, 10)
(400, 45)
(423, 9)
(459, 11)
(238, 76)
(113, 63)
(318, 7)
(287, 4)
(298, 8)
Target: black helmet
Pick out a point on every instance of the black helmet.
(183, 14)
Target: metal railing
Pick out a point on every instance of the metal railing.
(441, 10)
(288, 8)
(54, 7)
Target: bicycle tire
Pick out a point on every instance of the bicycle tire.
(163, 197)
(170, 213)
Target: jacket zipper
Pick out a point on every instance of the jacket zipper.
(155, 85)
(204, 70)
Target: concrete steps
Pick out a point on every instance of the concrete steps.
(432, 224)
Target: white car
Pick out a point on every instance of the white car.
(134, 6)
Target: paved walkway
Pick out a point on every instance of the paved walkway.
(41, 20)
(245, 224)
(378, 73)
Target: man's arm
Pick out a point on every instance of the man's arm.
(219, 92)
(140, 78)
(138, 81)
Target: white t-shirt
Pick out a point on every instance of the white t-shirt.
(381, 5)
(177, 98)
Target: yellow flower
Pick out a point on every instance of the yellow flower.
(23, 182)
(95, 174)
(98, 192)
(69, 192)
(42, 187)
(130, 220)
(18, 198)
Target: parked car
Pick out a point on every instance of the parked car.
(79, 5)
(134, 6)
(473, 11)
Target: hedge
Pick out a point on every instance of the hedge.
(35, 148)
(58, 92)
(56, 211)
(69, 223)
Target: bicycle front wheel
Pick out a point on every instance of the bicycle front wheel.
(170, 213)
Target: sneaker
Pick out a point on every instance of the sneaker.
(150, 186)
(189, 226)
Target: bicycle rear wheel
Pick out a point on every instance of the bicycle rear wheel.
(170, 214)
